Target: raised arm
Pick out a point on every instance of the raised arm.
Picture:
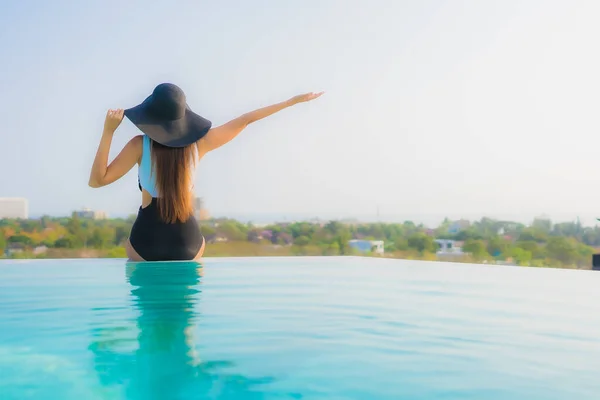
(103, 174)
(220, 135)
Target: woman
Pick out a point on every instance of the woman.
(174, 139)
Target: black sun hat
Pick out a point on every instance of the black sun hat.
(167, 119)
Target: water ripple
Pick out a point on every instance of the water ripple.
(305, 328)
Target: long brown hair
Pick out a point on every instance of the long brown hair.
(172, 167)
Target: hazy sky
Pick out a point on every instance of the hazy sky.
(439, 107)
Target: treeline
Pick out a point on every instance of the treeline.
(567, 244)
(32, 237)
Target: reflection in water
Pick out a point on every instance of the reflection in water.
(162, 362)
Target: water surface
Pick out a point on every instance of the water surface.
(297, 328)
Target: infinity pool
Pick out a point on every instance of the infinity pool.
(297, 328)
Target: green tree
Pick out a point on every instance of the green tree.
(29, 225)
(45, 222)
(497, 246)
(232, 231)
(533, 234)
(570, 229)
(101, 237)
(591, 236)
(77, 235)
(562, 249)
(342, 240)
(48, 243)
(389, 247)
(74, 225)
(477, 248)
(2, 242)
(537, 252)
(302, 229)
(117, 252)
(332, 249)
(486, 227)
(65, 242)
(422, 243)
(208, 232)
(333, 227)
(584, 254)
(401, 244)
(121, 234)
(377, 232)
(469, 233)
(302, 241)
(392, 232)
(520, 255)
(441, 232)
(25, 240)
(542, 225)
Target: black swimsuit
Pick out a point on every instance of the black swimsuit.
(156, 240)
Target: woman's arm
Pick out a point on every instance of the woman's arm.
(103, 174)
(220, 135)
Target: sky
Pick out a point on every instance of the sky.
(432, 108)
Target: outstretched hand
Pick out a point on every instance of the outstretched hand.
(113, 120)
(301, 98)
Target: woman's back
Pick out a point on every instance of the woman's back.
(167, 174)
(174, 139)
(146, 179)
(165, 228)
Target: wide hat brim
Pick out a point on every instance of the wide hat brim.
(180, 132)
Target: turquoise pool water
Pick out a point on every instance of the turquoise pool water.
(297, 328)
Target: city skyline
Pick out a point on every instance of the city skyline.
(429, 220)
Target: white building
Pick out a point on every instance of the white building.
(91, 214)
(448, 247)
(14, 207)
(376, 246)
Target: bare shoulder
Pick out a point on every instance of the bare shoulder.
(202, 145)
(134, 146)
(136, 143)
(220, 135)
(137, 140)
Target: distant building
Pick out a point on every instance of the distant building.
(457, 226)
(14, 207)
(449, 247)
(40, 250)
(200, 210)
(86, 213)
(14, 248)
(376, 246)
